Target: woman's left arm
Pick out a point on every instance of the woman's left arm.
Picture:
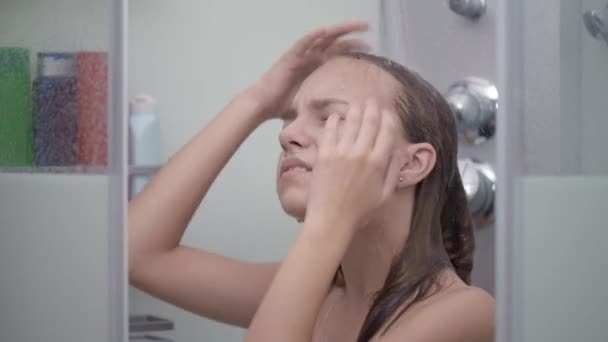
(350, 180)
(293, 301)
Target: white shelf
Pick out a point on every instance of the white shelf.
(78, 169)
(143, 170)
(73, 169)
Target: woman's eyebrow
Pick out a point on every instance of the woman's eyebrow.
(320, 104)
(316, 105)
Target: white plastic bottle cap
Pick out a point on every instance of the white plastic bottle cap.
(142, 104)
(56, 64)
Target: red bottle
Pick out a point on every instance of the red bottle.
(92, 108)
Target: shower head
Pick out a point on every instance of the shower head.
(595, 22)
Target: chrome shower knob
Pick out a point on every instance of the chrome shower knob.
(474, 103)
(472, 9)
(478, 180)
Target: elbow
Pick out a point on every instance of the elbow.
(131, 270)
(136, 259)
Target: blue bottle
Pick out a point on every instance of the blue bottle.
(55, 110)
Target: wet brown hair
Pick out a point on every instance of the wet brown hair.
(441, 231)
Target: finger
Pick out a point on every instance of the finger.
(330, 132)
(342, 46)
(352, 125)
(386, 136)
(370, 126)
(336, 31)
(309, 40)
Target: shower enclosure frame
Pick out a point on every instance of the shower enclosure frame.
(118, 172)
(510, 52)
(510, 168)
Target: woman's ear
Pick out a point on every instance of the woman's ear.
(418, 163)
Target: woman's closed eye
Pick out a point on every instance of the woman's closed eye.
(324, 107)
(325, 116)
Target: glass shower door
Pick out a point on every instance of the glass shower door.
(62, 174)
(553, 169)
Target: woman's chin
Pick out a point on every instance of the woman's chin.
(294, 210)
(294, 207)
(293, 199)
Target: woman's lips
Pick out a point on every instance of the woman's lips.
(292, 166)
(295, 172)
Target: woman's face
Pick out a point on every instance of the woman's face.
(333, 88)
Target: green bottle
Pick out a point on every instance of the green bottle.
(15, 107)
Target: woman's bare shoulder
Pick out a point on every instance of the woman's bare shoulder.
(455, 313)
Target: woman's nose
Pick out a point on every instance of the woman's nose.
(295, 136)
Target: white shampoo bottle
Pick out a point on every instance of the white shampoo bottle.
(144, 138)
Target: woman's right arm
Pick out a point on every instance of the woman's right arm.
(205, 283)
(202, 282)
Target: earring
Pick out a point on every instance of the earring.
(400, 179)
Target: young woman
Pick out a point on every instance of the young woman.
(369, 169)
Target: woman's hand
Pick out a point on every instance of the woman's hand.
(352, 176)
(277, 86)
